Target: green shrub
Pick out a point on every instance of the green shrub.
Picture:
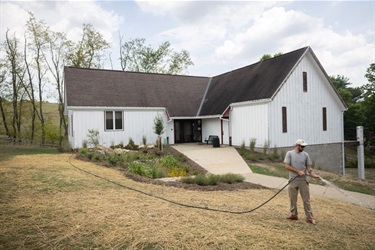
(168, 161)
(137, 168)
(253, 141)
(282, 155)
(144, 140)
(271, 157)
(84, 144)
(82, 152)
(213, 179)
(93, 138)
(97, 157)
(65, 145)
(156, 172)
(111, 159)
(266, 146)
(369, 162)
(131, 145)
(248, 156)
(188, 180)
(232, 178)
(90, 155)
(243, 147)
(201, 180)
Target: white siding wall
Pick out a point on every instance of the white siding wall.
(137, 123)
(247, 122)
(211, 126)
(169, 130)
(304, 109)
(226, 132)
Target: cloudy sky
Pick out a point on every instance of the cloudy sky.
(220, 35)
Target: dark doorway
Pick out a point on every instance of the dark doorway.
(187, 131)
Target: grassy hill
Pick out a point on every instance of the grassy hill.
(51, 116)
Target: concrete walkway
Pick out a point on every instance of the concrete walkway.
(227, 160)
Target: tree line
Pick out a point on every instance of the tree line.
(361, 106)
(32, 65)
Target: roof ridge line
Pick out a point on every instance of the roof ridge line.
(204, 96)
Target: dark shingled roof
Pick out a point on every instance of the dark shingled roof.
(254, 82)
(181, 95)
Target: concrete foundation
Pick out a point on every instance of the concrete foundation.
(327, 157)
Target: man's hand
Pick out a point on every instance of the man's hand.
(315, 176)
(300, 173)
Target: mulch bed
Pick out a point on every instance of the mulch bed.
(178, 184)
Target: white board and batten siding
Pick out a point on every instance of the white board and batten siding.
(249, 121)
(305, 109)
(137, 123)
(211, 126)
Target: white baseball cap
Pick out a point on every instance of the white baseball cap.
(301, 142)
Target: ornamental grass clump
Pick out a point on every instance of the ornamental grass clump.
(231, 178)
(212, 179)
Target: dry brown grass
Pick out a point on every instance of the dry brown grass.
(45, 203)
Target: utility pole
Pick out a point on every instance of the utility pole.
(360, 153)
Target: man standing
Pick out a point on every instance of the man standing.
(298, 163)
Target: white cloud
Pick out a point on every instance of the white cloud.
(220, 35)
(60, 16)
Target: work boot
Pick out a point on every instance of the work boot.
(292, 217)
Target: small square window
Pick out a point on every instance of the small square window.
(114, 120)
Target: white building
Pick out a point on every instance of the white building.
(275, 101)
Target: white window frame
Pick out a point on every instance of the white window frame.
(114, 128)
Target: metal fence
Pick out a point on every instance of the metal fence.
(5, 140)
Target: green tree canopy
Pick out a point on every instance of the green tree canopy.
(136, 56)
(89, 51)
(268, 56)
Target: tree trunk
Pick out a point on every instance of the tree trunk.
(4, 118)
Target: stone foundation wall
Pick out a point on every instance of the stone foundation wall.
(327, 157)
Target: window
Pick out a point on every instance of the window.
(284, 123)
(304, 81)
(324, 119)
(113, 120)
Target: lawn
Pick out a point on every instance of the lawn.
(46, 203)
(349, 181)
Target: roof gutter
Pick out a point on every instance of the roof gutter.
(254, 102)
(92, 108)
(194, 117)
